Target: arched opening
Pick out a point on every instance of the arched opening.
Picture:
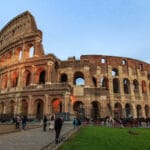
(26, 78)
(117, 111)
(116, 88)
(31, 51)
(79, 78)
(139, 111)
(128, 111)
(147, 114)
(124, 62)
(4, 82)
(24, 108)
(56, 106)
(39, 109)
(11, 108)
(18, 54)
(104, 82)
(95, 110)
(126, 86)
(14, 79)
(79, 110)
(94, 82)
(115, 72)
(63, 78)
(42, 77)
(135, 86)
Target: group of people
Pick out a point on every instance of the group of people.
(20, 120)
(54, 124)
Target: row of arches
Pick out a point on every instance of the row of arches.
(79, 79)
(17, 54)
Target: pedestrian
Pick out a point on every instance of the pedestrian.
(51, 124)
(18, 120)
(57, 126)
(44, 123)
(75, 122)
(24, 122)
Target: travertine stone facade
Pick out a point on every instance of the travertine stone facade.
(95, 86)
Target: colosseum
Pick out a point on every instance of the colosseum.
(95, 86)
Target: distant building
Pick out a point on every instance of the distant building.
(96, 86)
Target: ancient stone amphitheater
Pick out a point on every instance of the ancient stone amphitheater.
(33, 83)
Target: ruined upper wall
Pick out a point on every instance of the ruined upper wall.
(18, 29)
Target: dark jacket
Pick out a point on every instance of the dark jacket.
(58, 123)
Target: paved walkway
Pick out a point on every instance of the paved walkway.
(33, 139)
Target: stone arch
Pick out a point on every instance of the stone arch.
(42, 77)
(126, 86)
(139, 111)
(94, 81)
(118, 110)
(135, 86)
(79, 78)
(26, 78)
(144, 88)
(39, 108)
(18, 54)
(128, 110)
(4, 82)
(115, 72)
(104, 82)
(29, 51)
(78, 107)
(24, 106)
(56, 105)
(147, 111)
(64, 78)
(95, 110)
(11, 108)
(14, 78)
(116, 87)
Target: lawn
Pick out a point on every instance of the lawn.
(103, 138)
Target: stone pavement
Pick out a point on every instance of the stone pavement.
(33, 139)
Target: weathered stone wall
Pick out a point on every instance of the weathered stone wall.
(40, 84)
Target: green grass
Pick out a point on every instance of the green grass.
(102, 138)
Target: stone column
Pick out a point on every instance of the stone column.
(8, 80)
(67, 102)
(46, 105)
(49, 72)
(19, 85)
(30, 107)
(134, 111)
(33, 75)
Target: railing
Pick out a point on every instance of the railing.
(48, 86)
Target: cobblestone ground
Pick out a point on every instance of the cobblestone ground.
(33, 139)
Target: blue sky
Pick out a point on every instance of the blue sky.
(80, 27)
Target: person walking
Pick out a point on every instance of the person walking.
(75, 122)
(44, 123)
(51, 124)
(57, 127)
(18, 120)
(24, 122)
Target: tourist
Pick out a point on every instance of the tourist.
(51, 124)
(75, 122)
(24, 122)
(44, 123)
(18, 120)
(57, 126)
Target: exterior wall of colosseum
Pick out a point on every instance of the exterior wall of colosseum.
(95, 86)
